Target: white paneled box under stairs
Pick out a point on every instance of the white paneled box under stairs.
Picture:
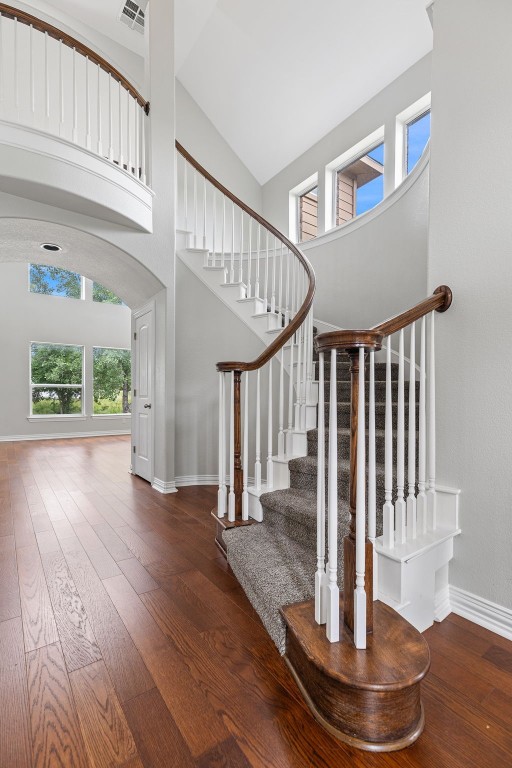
(294, 431)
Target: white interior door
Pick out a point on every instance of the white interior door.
(142, 408)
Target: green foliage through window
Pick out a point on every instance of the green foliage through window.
(54, 281)
(112, 380)
(104, 295)
(56, 378)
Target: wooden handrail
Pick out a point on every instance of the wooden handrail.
(372, 338)
(301, 315)
(42, 26)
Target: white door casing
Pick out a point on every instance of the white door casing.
(143, 356)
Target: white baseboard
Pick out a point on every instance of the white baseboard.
(61, 435)
(163, 487)
(483, 612)
(442, 605)
(184, 480)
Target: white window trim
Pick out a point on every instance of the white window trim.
(405, 117)
(110, 415)
(346, 158)
(310, 183)
(52, 295)
(56, 416)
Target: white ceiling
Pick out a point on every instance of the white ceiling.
(274, 76)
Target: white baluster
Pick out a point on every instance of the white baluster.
(240, 262)
(87, 106)
(288, 295)
(110, 122)
(195, 208)
(280, 293)
(16, 88)
(232, 264)
(137, 141)
(223, 235)
(99, 118)
(185, 194)
(249, 260)
(129, 157)
(143, 147)
(431, 493)
(320, 576)
(120, 117)
(298, 391)
(231, 498)
(46, 80)
(280, 436)
(32, 74)
(221, 495)
(214, 226)
(411, 454)
(310, 359)
(421, 501)
(360, 594)
(265, 287)
(1, 58)
(305, 327)
(270, 464)
(245, 494)
(204, 212)
(61, 89)
(400, 507)
(372, 471)
(274, 267)
(388, 513)
(257, 280)
(289, 433)
(257, 465)
(332, 590)
(75, 100)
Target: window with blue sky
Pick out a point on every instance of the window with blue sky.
(360, 185)
(417, 136)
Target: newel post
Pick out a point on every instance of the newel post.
(239, 473)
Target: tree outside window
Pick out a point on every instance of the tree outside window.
(56, 379)
(54, 281)
(104, 295)
(112, 380)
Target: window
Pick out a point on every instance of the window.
(112, 380)
(417, 134)
(54, 281)
(104, 295)
(359, 185)
(308, 214)
(56, 375)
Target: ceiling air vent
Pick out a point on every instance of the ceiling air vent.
(132, 15)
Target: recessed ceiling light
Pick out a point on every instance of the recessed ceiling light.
(50, 247)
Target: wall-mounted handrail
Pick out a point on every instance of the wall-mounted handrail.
(42, 26)
(302, 313)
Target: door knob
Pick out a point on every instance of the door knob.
(147, 405)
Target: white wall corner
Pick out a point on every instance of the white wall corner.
(483, 612)
(430, 12)
(164, 487)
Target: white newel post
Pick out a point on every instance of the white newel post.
(411, 453)
(360, 594)
(372, 472)
(431, 493)
(421, 502)
(388, 510)
(333, 592)
(400, 506)
(320, 576)
(257, 465)
(270, 463)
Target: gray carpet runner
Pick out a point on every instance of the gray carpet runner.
(275, 561)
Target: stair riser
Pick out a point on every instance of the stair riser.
(343, 443)
(343, 371)
(344, 389)
(343, 419)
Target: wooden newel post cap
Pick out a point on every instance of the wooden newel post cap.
(349, 340)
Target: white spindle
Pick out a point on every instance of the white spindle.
(431, 493)
(214, 226)
(411, 453)
(257, 465)
(99, 119)
(274, 267)
(223, 234)
(360, 594)
(320, 576)
(332, 590)
(421, 501)
(288, 297)
(280, 293)
(110, 121)
(137, 140)
(280, 436)
(265, 287)
(232, 264)
(204, 211)
(400, 507)
(46, 79)
(270, 432)
(289, 433)
(221, 495)
(87, 106)
(298, 390)
(195, 208)
(372, 470)
(129, 156)
(75, 101)
(185, 193)
(32, 74)
(304, 375)
(143, 147)
(249, 260)
(120, 118)
(231, 498)
(240, 261)
(16, 90)
(1, 57)
(245, 458)
(257, 280)
(61, 88)
(388, 514)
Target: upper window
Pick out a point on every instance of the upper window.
(104, 295)
(417, 134)
(56, 379)
(359, 185)
(308, 214)
(112, 380)
(54, 281)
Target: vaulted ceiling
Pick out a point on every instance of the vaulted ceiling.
(274, 76)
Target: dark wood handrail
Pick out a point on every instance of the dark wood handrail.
(42, 26)
(372, 338)
(301, 315)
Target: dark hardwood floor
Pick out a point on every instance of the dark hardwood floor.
(125, 640)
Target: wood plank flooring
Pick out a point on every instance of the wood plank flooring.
(125, 640)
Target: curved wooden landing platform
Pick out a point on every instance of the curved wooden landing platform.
(369, 699)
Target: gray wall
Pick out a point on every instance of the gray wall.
(471, 250)
(34, 317)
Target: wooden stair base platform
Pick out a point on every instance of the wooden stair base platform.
(370, 698)
(222, 525)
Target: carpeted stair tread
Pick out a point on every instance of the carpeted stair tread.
(299, 505)
(273, 570)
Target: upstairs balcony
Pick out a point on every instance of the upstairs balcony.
(73, 130)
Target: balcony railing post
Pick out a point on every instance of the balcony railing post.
(239, 474)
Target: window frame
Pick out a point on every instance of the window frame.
(293, 206)
(54, 295)
(343, 166)
(111, 415)
(299, 211)
(81, 386)
(403, 119)
(407, 125)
